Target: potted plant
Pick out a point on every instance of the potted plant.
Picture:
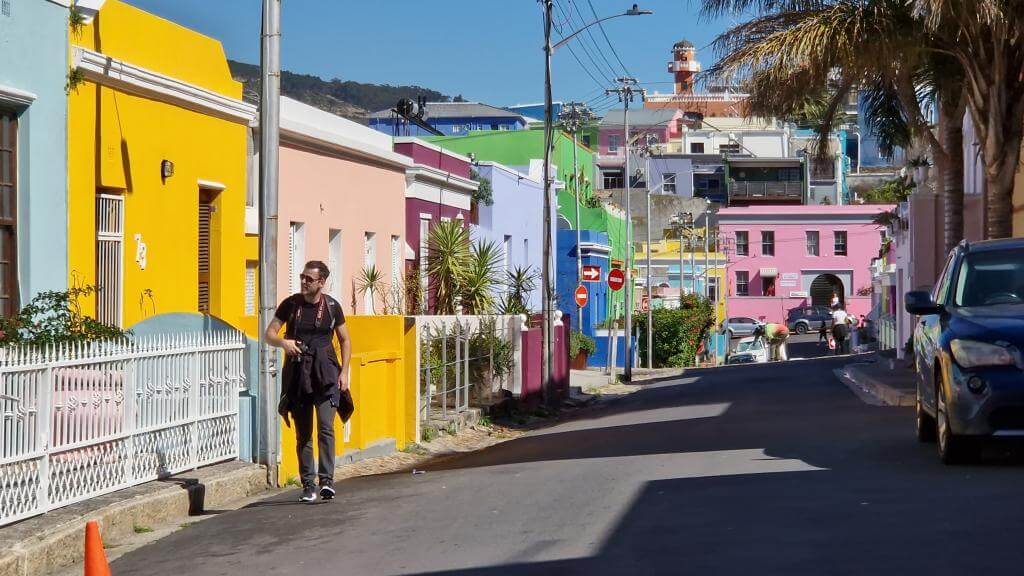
(920, 167)
(581, 346)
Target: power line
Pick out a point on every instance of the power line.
(590, 34)
(582, 45)
(605, 34)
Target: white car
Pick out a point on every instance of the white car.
(750, 350)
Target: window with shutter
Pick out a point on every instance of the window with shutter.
(205, 220)
(251, 270)
(109, 258)
(8, 214)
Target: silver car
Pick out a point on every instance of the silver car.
(739, 326)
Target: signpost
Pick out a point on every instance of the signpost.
(591, 273)
(616, 279)
(645, 304)
(582, 297)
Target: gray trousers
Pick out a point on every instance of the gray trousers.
(303, 416)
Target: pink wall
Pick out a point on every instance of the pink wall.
(662, 133)
(328, 192)
(796, 269)
(430, 155)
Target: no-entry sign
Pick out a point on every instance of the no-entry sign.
(582, 296)
(591, 273)
(616, 279)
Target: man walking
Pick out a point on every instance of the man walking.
(840, 329)
(313, 378)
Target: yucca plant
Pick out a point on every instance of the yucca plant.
(482, 278)
(448, 261)
(370, 281)
(520, 281)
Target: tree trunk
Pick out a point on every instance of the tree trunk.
(951, 118)
(1002, 160)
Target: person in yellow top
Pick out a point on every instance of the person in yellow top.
(775, 336)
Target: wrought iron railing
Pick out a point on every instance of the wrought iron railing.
(85, 419)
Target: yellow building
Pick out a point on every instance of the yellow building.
(158, 194)
(665, 274)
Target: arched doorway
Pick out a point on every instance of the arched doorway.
(822, 288)
(563, 223)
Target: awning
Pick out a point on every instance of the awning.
(769, 272)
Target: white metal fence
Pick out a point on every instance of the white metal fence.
(86, 419)
(464, 360)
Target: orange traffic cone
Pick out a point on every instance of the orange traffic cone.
(95, 557)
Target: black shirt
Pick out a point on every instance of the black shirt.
(306, 329)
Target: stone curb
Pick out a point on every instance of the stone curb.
(52, 541)
(889, 395)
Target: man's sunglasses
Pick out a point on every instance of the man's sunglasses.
(308, 279)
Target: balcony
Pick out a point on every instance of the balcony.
(790, 192)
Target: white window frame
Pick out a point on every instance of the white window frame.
(369, 259)
(296, 254)
(335, 261)
(668, 185)
(614, 143)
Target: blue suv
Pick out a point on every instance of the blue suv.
(968, 349)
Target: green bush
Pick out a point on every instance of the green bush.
(580, 342)
(677, 332)
(56, 318)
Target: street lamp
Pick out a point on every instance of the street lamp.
(547, 291)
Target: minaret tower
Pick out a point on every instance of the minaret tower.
(684, 65)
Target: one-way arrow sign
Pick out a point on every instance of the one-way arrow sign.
(591, 273)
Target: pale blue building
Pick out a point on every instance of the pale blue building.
(514, 220)
(33, 149)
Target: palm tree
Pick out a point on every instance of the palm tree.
(986, 39)
(521, 281)
(879, 47)
(448, 262)
(478, 289)
(370, 281)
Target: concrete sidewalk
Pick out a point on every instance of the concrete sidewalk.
(49, 542)
(881, 375)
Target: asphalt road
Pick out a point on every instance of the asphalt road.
(755, 469)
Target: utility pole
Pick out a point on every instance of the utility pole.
(626, 91)
(574, 117)
(650, 299)
(270, 121)
(547, 328)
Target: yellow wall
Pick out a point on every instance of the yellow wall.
(383, 391)
(668, 251)
(117, 142)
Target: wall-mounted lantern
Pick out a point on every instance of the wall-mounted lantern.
(166, 169)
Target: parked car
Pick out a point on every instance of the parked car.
(808, 318)
(750, 350)
(968, 349)
(739, 326)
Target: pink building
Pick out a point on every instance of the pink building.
(342, 201)
(645, 125)
(783, 257)
(438, 188)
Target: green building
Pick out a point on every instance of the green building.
(519, 147)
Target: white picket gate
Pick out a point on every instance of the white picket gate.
(86, 419)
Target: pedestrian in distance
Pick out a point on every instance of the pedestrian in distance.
(774, 337)
(840, 329)
(823, 334)
(313, 379)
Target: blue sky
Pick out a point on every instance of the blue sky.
(486, 50)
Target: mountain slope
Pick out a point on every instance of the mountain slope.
(352, 100)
